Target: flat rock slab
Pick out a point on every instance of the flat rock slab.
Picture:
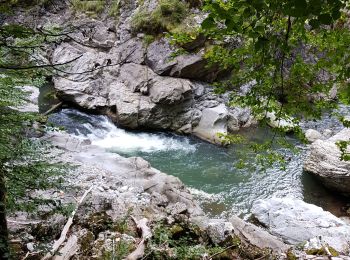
(296, 222)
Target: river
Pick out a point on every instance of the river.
(208, 170)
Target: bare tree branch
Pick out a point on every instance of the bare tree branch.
(38, 66)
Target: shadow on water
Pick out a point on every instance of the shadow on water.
(316, 193)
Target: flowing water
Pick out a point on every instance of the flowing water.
(207, 169)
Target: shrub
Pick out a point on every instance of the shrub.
(92, 7)
(167, 15)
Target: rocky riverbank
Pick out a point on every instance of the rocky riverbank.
(111, 70)
(124, 207)
(123, 195)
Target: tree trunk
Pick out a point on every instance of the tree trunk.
(4, 245)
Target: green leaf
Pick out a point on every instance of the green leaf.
(325, 19)
(208, 23)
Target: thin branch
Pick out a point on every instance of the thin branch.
(39, 66)
(66, 227)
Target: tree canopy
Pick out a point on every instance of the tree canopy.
(291, 53)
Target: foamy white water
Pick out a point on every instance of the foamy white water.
(104, 133)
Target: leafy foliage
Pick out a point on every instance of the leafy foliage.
(24, 167)
(286, 57)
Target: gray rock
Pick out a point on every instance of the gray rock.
(324, 161)
(313, 135)
(136, 77)
(135, 183)
(194, 66)
(170, 91)
(218, 230)
(30, 246)
(275, 122)
(115, 82)
(296, 221)
(159, 58)
(191, 66)
(257, 236)
(212, 123)
(131, 51)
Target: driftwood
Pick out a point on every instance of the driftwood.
(66, 227)
(70, 248)
(53, 108)
(139, 252)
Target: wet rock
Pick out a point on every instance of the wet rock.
(296, 222)
(324, 161)
(134, 186)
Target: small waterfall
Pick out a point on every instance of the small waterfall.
(104, 133)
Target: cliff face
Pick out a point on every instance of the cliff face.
(138, 83)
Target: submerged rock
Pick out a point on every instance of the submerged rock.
(296, 222)
(324, 161)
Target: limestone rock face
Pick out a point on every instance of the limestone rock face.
(296, 221)
(116, 82)
(324, 161)
(120, 180)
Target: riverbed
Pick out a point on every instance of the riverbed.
(208, 170)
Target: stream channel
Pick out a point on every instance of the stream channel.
(209, 170)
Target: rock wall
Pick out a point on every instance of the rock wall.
(138, 85)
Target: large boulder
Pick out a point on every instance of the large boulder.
(160, 58)
(115, 82)
(212, 124)
(324, 161)
(296, 222)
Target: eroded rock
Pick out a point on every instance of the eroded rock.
(296, 222)
(324, 161)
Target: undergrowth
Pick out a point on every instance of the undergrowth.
(165, 17)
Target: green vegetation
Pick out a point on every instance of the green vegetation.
(290, 54)
(95, 8)
(24, 163)
(291, 51)
(89, 7)
(167, 15)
